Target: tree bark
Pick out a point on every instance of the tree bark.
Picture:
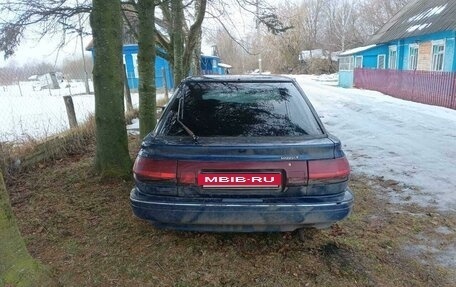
(183, 48)
(193, 38)
(196, 59)
(146, 64)
(177, 39)
(112, 158)
(17, 267)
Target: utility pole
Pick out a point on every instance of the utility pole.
(86, 80)
(260, 69)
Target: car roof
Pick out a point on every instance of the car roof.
(239, 78)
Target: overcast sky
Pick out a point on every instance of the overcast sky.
(46, 50)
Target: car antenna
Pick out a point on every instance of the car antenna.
(189, 131)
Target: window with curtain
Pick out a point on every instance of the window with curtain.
(381, 61)
(438, 52)
(392, 58)
(413, 57)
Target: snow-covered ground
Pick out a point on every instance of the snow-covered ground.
(37, 116)
(26, 112)
(387, 137)
(331, 79)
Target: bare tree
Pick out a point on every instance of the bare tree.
(111, 158)
(232, 53)
(74, 68)
(341, 24)
(146, 63)
(375, 13)
(177, 37)
(53, 17)
(62, 17)
(331, 25)
(312, 13)
(285, 47)
(13, 73)
(226, 15)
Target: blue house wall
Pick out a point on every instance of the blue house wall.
(370, 56)
(449, 58)
(346, 77)
(209, 65)
(130, 54)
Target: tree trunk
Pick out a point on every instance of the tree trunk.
(193, 40)
(146, 64)
(177, 38)
(112, 158)
(183, 41)
(196, 53)
(17, 267)
(196, 61)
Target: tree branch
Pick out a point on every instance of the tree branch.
(231, 36)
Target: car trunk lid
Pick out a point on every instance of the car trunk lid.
(228, 165)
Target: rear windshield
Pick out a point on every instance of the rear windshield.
(211, 109)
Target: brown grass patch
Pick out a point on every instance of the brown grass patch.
(83, 228)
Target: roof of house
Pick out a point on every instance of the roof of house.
(226, 66)
(356, 50)
(417, 18)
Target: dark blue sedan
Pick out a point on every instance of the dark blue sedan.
(241, 154)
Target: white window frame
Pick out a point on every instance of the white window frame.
(134, 58)
(384, 61)
(346, 66)
(358, 62)
(433, 63)
(415, 60)
(392, 59)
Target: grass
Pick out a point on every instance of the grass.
(83, 228)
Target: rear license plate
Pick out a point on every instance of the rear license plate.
(240, 180)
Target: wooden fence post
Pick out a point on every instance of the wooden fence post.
(19, 85)
(70, 111)
(453, 91)
(127, 92)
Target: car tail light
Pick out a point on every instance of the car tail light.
(147, 169)
(329, 170)
(187, 177)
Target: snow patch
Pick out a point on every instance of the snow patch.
(356, 50)
(26, 112)
(418, 27)
(328, 79)
(387, 137)
(133, 128)
(428, 13)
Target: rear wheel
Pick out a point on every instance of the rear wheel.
(308, 233)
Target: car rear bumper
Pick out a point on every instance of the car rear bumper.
(249, 215)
